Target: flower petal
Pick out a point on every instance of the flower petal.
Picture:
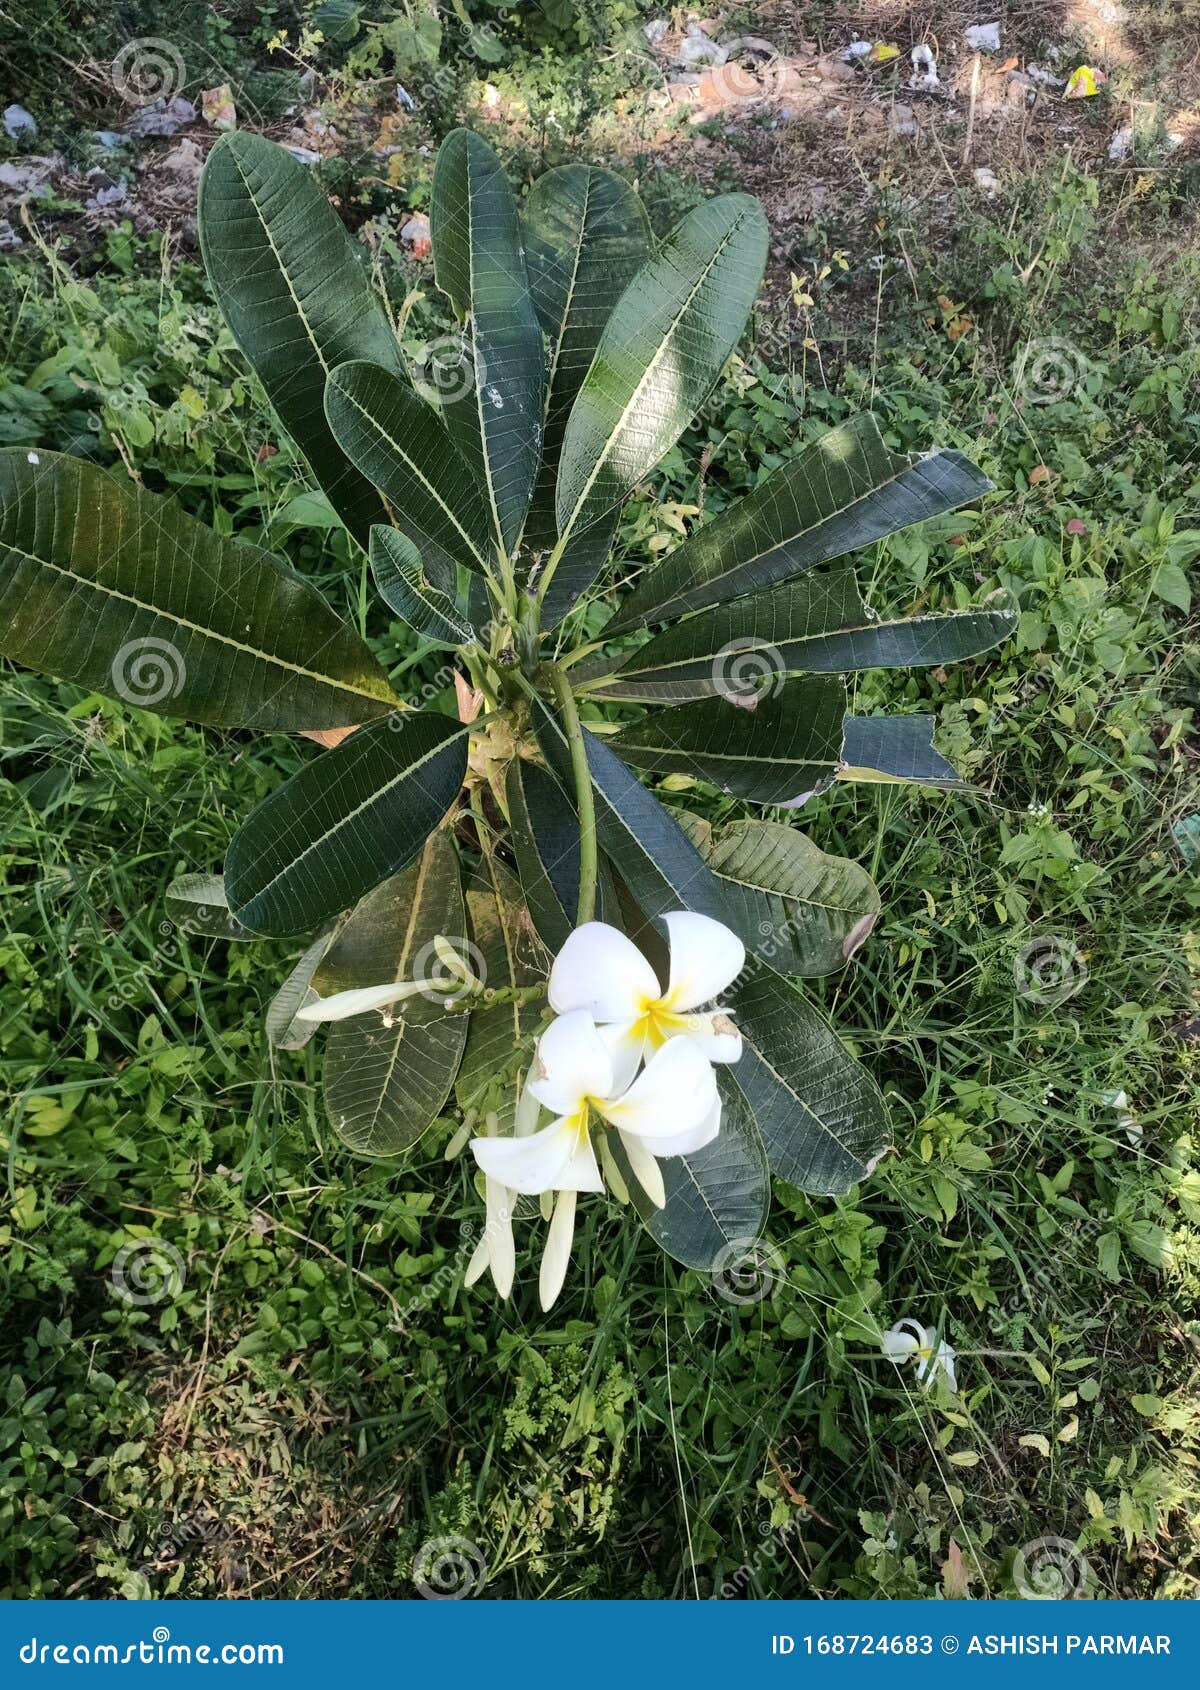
(625, 1042)
(499, 1235)
(529, 1165)
(600, 970)
(572, 1063)
(897, 1345)
(716, 1035)
(342, 1005)
(557, 1253)
(705, 958)
(683, 1144)
(674, 1093)
(645, 1169)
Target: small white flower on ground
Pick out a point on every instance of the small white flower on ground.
(601, 971)
(908, 1340)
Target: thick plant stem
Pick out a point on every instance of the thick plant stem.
(584, 799)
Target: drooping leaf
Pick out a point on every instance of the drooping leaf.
(843, 492)
(284, 1032)
(896, 748)
(297, 299)
(401, 444)
(348, 820)
(404, 588)
(817, 625)
(507, 953)
(790, 740)
(660, 866)
(480, 263)
(801, 910)
(388, 1073)
(117, 589)
(586, 235)
(717, 1196)
(662, 350)
(197, 903)
(823, 1121)
(545, 838)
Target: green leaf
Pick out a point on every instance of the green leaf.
(717, 1197)
(818, 625)
(895, 748)
(404, 588)
(586, 236)
(197, 903)
(658, 863)
(843, 492)
(790, 741)
(507, 953)
(116, 589)
(292, 289)
(823, 1121)
(284, 1032)
(794, 906)
(545, 839)
(480, 263)
(348, 820)
(1171, 583)
(387, 1074)
(401, 444)
(662, 350)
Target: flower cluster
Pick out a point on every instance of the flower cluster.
(622, 1055)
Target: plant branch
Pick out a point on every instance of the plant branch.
(584, 799)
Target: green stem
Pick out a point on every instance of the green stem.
(585, 803)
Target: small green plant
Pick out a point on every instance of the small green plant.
(438, 865)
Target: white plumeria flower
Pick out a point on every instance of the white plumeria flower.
(909, 1340)
(342, 1005)
(496, 1250)
(670, 1110)
(601, 971)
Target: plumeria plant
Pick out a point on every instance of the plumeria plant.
(495, 906)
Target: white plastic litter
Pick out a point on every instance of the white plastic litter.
(984, 37)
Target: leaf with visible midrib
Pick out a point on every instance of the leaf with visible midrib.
(117, 589)
(296, 297)
(509, 954)
(896, 748)
(843, 492)
(348, 820)
(404, 587)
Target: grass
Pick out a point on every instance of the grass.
(306, 1397)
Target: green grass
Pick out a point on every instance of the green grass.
(315, 1397)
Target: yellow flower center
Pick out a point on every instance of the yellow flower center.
(657, 1021)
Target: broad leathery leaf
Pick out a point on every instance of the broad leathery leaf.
(284, 1032)
(405, 588)
(789, 740)
(843, 492)
(896, 748)
(819, 625)
(718, 1196)
(401, 444)
(388, 1073)
(583, 558)
(480, 263)
(118, 590)
(801, 910)
(661, 867)
(586, 236)
(197, 903)
(298, 300)
(507, 953)
(545, 839)
(348, 820)
(661, 352)
(822, 1118)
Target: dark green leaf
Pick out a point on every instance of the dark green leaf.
(790, 741)
(404, 588)
(284, 1032)
(895, 748)
(480, 263)
(196, 903)
(843, 492)
(507, 953)
(296, 297)
(545, 838)
(348, 820)
(115, 588)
